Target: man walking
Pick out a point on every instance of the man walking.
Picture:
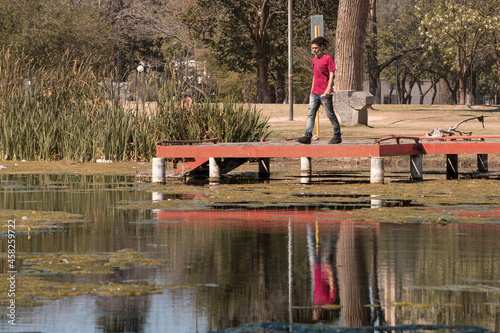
(321, 91)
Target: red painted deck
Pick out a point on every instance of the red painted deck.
(196, 156)
(348, 148)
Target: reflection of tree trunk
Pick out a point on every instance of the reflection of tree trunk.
(262, 284)
(352, 279)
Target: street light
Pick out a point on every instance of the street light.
(470, 91)
(140, 69)
(397, 92)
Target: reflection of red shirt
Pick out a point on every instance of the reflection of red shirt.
(321, 80)
(324, 293)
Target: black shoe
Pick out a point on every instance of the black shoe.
(305, 140)
(335, 140)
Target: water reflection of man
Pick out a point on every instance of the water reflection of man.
(323, 283)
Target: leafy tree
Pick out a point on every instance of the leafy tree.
(381, 50)
(249, 35)
(48, 29)
(459, 29)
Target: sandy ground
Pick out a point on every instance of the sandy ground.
(386, 119)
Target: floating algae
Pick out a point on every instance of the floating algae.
(438, 202)
(34, 288)
(89, 263)
(35, 291)
(30, 220)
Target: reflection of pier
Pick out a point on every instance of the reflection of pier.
(215, 159)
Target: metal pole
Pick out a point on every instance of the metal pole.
(135, 93)
(290, 60)
(470, 92)
(118, 73)
(397, 90)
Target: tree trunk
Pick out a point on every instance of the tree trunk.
(461, 76)
(280, 87)
(349, 44)
(497, 94)
(452, 90)
(263, 95)
(372, 54)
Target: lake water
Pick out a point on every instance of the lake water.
(237, 269)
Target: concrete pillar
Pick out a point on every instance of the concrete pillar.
(305, 164)
(264, 171)
(305, 170)
(416, 167)
(214, 165)
(158, 170)
(482, 162)
(452, 166)
(377, 170)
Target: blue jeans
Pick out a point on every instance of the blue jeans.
(314, 102)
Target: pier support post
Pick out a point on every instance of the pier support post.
(416, 167)
(305, 164)
(452, 166)
(305, 170)
(214, 165)
(264, 171)
(158, 174)
(377, 170)
(482, 163)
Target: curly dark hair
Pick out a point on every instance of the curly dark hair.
(321, 41)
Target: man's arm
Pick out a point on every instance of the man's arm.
(330, 84)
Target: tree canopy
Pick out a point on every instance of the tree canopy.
(240, 47)
(461, 30)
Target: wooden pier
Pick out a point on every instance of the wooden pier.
(214, 159)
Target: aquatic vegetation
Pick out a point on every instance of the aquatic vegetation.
(34, 288)
(437, 202)
(331, 307)
(34, 291)
(32, 221)
(89, 263)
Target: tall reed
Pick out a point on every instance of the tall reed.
(63, 113)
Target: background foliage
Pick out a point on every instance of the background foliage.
(239, 48)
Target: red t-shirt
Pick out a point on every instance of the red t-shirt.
(321, 80)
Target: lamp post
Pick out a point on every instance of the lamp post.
(470, 91)
(140, 69)
(397, 90)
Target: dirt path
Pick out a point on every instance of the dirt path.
(387, 119)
